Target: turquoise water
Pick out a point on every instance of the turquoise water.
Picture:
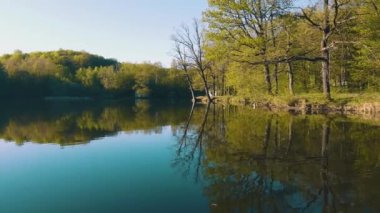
(122, 173)
(62, 156)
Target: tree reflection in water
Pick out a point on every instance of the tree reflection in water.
(252, 160)
(245, 159)
(78, 122)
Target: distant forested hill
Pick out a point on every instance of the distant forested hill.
(78, 73)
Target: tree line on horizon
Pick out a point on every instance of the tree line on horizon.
(251, 48)
(67, 73)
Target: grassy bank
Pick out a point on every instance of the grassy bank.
(350, 103)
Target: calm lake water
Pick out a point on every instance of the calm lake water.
(63, 156)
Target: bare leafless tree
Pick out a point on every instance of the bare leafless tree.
(191, 40)
(183, 63)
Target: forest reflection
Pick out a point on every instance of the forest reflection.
(245, 159)
(253, 160)
(78, 122)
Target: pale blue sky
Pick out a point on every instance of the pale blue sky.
(128, 30)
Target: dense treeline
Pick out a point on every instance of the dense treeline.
(249, 48)
(71, 73)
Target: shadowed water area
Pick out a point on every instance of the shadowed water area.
(119, 156)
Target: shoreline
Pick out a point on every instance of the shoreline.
(370, 108)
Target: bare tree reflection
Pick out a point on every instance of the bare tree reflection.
(190, 150)
(326, 189)
(183, 140)
(290, 136)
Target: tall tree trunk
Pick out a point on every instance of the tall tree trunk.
(267, 78)
(275, 76)
(326, 51)
(191, 88)
(272, 29)
(207, 89)
(342, 76)
(214, 84)
(223, 84)
(289, 64)
(291, 78)
(326, 69)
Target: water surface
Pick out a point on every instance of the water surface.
(83, 156)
